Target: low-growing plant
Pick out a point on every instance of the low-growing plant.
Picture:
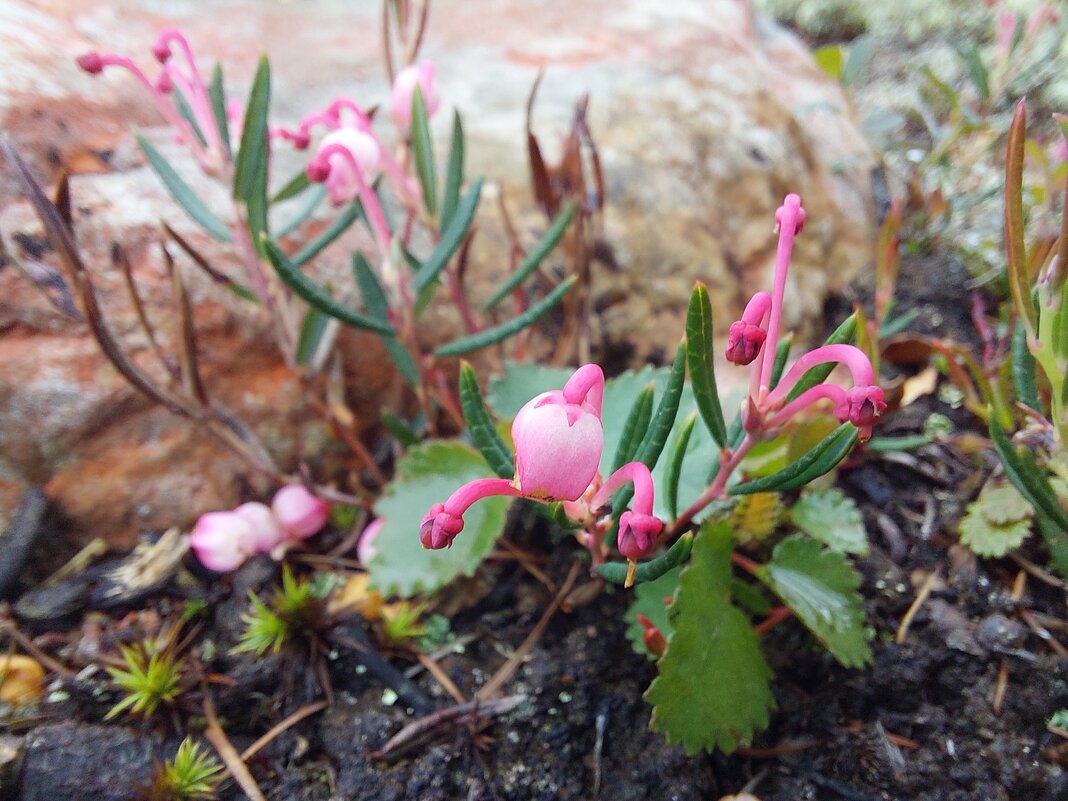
(151, 677)
(192, 775)
(713, 683)
(295, 610)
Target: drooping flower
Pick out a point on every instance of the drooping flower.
(222, 541)
(267, 533)
(400, 99)
(299, 513)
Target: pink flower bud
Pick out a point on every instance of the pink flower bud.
(365, 548)
(637, 534)
(346, 158)
(744, 341)
(266, 531)
(299, 513)
(161, 50)
(863, 405)
(222, 541)
(91, 63)
(439, 528)
(400, 101)
(558, 438)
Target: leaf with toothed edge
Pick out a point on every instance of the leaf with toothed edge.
(713, 688)
(833, 518)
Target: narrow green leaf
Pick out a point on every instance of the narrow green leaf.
(616, 572)
(293, 187)
(377, 305)
(491, 336)
(311, 334)
(637, 423)
(712, 688)
(315, 198)
(676, 455)
(454, 174)
(399, 429)
(217, 93)
(820, 586)
(252, 155)
(480, 424)
(451, 238)
(782, 353)
(1023, 370)
(842, 335)
(1056, 541)
(809, 467)
(1026, 475)
(423, 151)
(332, 232)
(181, 102)
(545, 245)
(314, 294)
(832, 518)
(977, 71)
(699, 358)
(666, 411)
(180, 191)
(256, 204)
(860, 52)
(1019, 283)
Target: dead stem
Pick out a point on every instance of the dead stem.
(236, 767)
(921, 598)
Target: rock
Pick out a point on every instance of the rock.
(704, 119)
(85, 763)
(11, 748)
(16, 543)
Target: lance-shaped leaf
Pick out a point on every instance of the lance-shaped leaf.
(676, 456)
(821, 459)
(616, 572)
(1019, 279)
(451, 238)
(304, 213)
(314, 294)
(1023, 370)
(545, 245)
(252, 154)
(782, 353)
(454, 173)
(311, 334)
(377, 305)
(491, 336)
(293, 187)
(217, 94)
(832, 518)
(700, 362)
(666, 411)
(637, 423)
(183, 194)
(423, 151)
(820, 586)
(480, 424)
(712, 690)
(329, 234)
(842, 335)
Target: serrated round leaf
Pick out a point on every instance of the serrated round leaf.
(1003, 504)
(820, 586)
(990, 539)
(649, 601)
(428, 474)
(832, 518)
(712, 690)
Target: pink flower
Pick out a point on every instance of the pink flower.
(299, 513)
(223, 541)
(558, 438)
(365, 548)
(400, 101)
(347, 160)
(266, 531)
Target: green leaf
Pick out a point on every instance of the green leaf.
(405, 433)
(820, 586)
(186, 111)
(314, 199)
(217, 93)
(1002, 504)
(1023, 369)
(842, 335)
(377, 305)
(861, 50)
(479, 423)
(676, 455)
(666, 412)
(183, 194)
(252, 155)
(712, 690)
(491, 336)
(429, 474)
(454, 174)
(782, 353)
(637, 423)
(293, 187)
(832, 518)
(699, 359)
(332, 232)
(314, 294)
(977, 71)
(989, 539)
(1016, 249)
(530, 263)
(311, 334)
(616, 572)
(451, 237)
(1026, 475)
(821, 459)
(649, 601)
(423, 151)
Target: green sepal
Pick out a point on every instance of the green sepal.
(1023, 370)
(217, 94)
(454, 173)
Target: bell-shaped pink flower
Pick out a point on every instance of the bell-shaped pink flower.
(558, 438)
(440, 527)
(346, 160)
(299, 513)
(864, 405)
(267, 533)
(744, 341)
(637, 534)
(222, 541)
(400, 100)
(365, 548)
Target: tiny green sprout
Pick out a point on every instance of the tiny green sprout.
(402, 623)
(191, 776)
(295, 608)
(1058, 720)
(193, 609)
(149, 679)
